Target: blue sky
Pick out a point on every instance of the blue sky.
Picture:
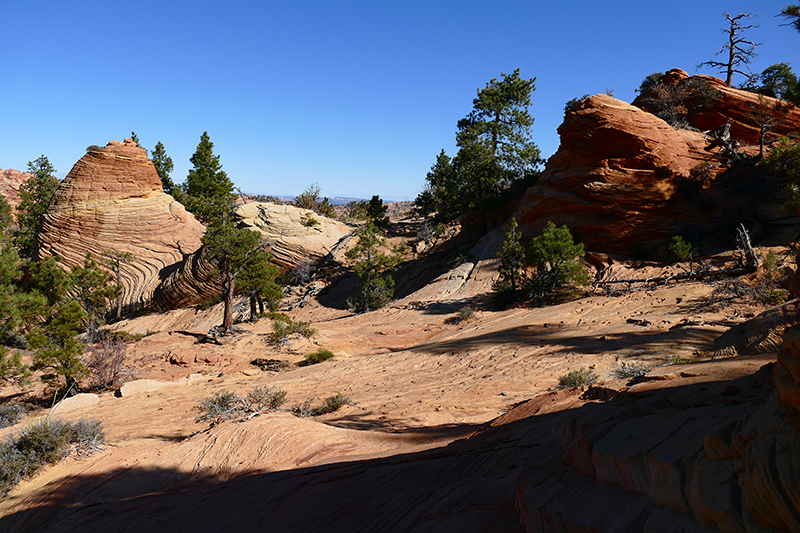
(358, 96)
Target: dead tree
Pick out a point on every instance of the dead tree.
(740, 51)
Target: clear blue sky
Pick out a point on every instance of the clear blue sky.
(358, 96)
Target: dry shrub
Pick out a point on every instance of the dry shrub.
(106, 362)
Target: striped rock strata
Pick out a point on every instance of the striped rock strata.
(292, 237)
(10, 180)
(112, 199)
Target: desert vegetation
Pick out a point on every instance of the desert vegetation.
(512, 295)
(42, 442)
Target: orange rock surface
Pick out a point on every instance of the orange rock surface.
(112, 200)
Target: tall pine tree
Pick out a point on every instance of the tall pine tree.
(495, 149)
(232, 250)
(164, 166)
(35, 193)
(209, 192)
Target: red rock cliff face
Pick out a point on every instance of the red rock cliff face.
(613, 175)
(745, 111)
(112, 200)
(614, 179)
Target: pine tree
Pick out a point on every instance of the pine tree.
(114, 260)
(495, 149)
(35, 195)
(17, 309)
(257, 281)
(6, 216)
(95, 289)
(209, 192)
(233, 251)
(48, 279)
(512, 263)
(135, 138)
(555, 256)
(57, 346)
(210, 196)
(12, 369)
(372, 265)
(792, 12)
(376, 212)
(740, 51)
(164, 166)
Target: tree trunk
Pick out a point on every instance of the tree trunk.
(118, 269)
(227, 319)
(253, 310)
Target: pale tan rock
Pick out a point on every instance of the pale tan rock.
(76, 403)
(144, 385)
(292, 241)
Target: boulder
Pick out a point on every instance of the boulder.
(76, 403)
(291, 232)
(613, 176)
(618, 177)
(112, 200)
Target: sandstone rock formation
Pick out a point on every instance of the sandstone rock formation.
(613, 176)
(616, 177)
(112, 200)
(10, 180)
(292, 236)
(745, 111)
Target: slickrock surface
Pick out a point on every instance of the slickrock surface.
(10, 180)
(112, 200)
(452, 427)
(292, 241)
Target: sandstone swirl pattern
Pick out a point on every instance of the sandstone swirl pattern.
(112, 199)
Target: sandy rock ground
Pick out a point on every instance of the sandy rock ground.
(418, 382)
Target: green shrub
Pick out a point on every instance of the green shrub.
(465, 314)
(221, 406)
(574, 104)
(228, 405)
(310, 222)
(42, 442)
(329, 405)
(577, 378)
(333, 404)
(318, 356)
(10, 414)
(556, 258)
(679, 250)
(376, 286)
(283, 326)
(264, 398)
